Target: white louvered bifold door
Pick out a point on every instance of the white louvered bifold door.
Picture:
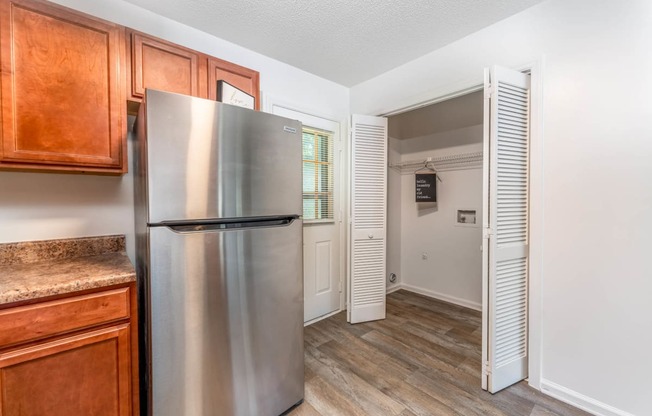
(368, 218)
(507, 94)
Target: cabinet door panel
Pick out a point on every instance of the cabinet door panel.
(240, 77)
(163, 66)
(87, 374)
(61, 87)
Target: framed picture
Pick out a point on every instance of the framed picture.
(426, 187)
(229, 94)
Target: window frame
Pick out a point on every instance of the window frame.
(330, 195)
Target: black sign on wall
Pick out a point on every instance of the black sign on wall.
(426, 187)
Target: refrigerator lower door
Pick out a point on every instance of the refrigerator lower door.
(226, 315)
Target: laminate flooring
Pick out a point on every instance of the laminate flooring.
(423, 359)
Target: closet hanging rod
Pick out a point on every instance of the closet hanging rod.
(441, 163)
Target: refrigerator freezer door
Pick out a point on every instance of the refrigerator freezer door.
(226, 321)
(212, 160)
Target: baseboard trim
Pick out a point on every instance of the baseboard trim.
(579, 400)
(446, 298)
(319, 318)
(393, 288)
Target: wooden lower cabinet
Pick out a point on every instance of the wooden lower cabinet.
(86, 374)
(92, 371)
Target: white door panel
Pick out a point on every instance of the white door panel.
(320, 270)
(505, 222)
(323, 258)
(368, 218)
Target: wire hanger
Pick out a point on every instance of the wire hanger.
(426, 167)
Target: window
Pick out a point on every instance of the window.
(317, 174)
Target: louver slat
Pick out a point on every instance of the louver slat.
(369, 153)
(368, 217)
(508, 206)
(512, 155)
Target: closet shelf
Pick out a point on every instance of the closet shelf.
(441, 163)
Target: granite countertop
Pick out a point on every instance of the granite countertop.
(32, 270)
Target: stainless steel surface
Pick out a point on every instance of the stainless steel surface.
(227, 327)
(221, 309)
(211, 160)
(142, 259)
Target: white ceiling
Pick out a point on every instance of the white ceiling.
(346, 41)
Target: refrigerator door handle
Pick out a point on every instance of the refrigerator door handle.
(226, 225)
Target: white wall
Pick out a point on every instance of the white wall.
(36, 206)
(452, 270)
(41, 206)
(394, 216)
(597, 199)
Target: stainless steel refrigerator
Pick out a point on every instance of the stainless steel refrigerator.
(219, 258)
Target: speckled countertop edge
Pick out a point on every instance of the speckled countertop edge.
(57, 267)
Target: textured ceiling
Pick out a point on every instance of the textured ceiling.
(346, 41)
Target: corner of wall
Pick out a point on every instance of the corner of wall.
(579, 400)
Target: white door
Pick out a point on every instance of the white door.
(323, 268)
(505, 225)
(368, 218)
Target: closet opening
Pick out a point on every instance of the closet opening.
(467, 241)
(434, 227)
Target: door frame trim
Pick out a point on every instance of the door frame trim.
(271, 101)
(536, 224)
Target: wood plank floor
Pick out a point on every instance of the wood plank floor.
(424, 359)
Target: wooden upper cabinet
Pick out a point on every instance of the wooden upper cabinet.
(163, 66)
(63, 100)
(240, 77)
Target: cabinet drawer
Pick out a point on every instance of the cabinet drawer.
(33, 322)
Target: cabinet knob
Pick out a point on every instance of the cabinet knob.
(370, 236)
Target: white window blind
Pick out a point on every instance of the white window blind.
(317, 174)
